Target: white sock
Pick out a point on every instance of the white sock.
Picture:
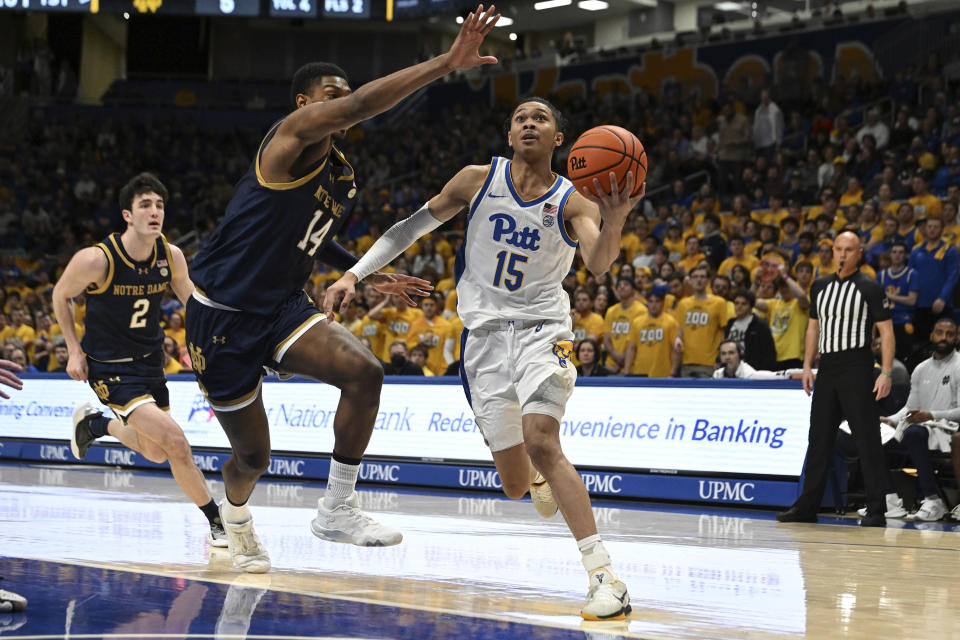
(341, 483)
(234, 514)
(594, 554)
(892, 497)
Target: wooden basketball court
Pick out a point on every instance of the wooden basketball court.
(119, 554)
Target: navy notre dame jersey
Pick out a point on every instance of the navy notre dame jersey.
(123, 316)
(263, 250)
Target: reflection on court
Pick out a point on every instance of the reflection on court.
(470, 565)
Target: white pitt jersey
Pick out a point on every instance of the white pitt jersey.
(515, 255)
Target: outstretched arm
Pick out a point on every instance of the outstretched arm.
(315, 121)
(454, 196)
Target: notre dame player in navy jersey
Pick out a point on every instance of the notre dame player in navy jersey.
(249, 310)
(124, 279)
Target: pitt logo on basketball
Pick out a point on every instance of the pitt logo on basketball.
(505, 228)
(577, 163)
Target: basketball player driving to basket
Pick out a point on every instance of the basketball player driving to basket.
(524, 224)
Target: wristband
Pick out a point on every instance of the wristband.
(889, 374)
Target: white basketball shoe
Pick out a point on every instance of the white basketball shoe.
(347, 523)
(542, 496)
(894, 507)
(247, 551)
(607, 598)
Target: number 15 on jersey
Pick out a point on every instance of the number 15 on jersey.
(508, 261)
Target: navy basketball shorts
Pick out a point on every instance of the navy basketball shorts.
(124, 386)
(229, 348)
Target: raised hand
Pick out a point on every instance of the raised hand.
(465, 51)
(8, 378)
(400, 285)
(617, 203)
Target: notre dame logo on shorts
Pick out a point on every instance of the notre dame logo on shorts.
(101, 389)
(564, 351)
(197, 358)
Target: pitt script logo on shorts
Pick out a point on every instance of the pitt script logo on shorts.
(564, 351)
(505, 229)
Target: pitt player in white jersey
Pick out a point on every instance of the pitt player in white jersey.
(524, 224)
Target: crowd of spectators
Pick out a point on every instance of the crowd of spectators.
(729, 254)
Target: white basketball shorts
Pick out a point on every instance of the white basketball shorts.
(518, 368)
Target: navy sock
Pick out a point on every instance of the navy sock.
(345, 460)
(211, 511)
(98, 425)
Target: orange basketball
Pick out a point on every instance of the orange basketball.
(601, 150)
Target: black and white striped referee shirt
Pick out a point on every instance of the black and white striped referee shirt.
(847, 311)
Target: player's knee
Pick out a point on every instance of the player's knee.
(543, 450)
(175, 446)
(253, 462)
(371, 373)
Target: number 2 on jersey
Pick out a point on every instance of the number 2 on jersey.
(138, 320)
(314, 237)
(515, 276)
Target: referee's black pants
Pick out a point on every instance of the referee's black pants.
(843, 392)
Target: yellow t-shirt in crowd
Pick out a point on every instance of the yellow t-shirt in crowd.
(702, 323)
(443, 249)
(617, 326)
(584, 326)
(450, 303)
(653, 339)
(748, 261)
(951, 235)
(445, 285)
(172, 366)
(820, 270)
(374, 331)
(630, 243)
(768, 216)
(398, 325)
(432, 335)
(788, 324)
(456, 330)
(180, 335)
(688, 263)
(847, 198)
(926, 205)
(674, 246)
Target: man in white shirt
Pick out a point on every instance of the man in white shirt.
(876, 128)
(734, 367)
(924, 423)
(767, 126)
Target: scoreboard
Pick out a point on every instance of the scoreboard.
(351, 9)
(72, 6)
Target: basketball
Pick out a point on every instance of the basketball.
(603, 149)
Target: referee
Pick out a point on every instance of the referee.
(844, 307)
